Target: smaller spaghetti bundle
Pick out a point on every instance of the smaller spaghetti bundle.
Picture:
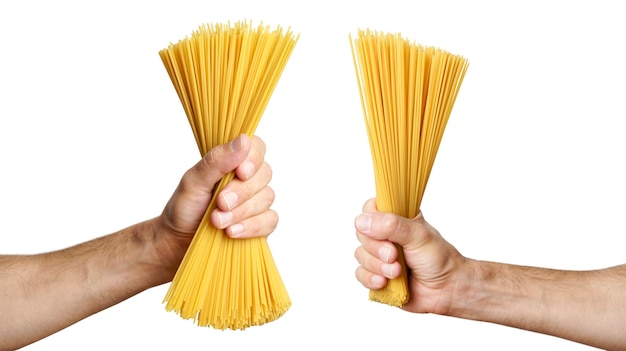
(224, 75)
(407, 93)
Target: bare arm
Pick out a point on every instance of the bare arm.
(44, 293)
(588, 307)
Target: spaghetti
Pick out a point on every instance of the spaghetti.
(407, 93)
(224, 76)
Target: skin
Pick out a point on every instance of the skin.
(587, 307)
(43, 293)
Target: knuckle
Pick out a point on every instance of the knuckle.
(266, 172)
(260, 144)
(210, 158)
(357, 273)
(270, 171)
(274, 219)
(390, 222)
(270, 194)
(358, 254)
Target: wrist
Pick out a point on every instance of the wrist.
(479, 290)
(167, 249)
(463, 292)
(495, 292)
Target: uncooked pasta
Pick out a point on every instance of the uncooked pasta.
(407, 92)
(224, 75)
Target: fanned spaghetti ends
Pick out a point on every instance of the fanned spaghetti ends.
(224, 75)
(407, 92)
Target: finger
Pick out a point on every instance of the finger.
(219, 161)
(374, 265)
(237, 192)
(369, 279)
(370, 206)
(258, 204)
(253, 161)
(260, 225)
(409, 233)
(384, 250)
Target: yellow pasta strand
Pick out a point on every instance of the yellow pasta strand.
(407, 93)
(224, 76)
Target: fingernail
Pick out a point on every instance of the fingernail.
(388, 270)
(364, 222)
(236, 229)
(384, 253)
(230, 198)
(378, 280)
(224, 218)
(248, 169)
(236, 144)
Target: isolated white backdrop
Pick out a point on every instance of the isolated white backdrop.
(530, 171)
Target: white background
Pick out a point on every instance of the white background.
(530, 170)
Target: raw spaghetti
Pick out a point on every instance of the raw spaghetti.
(407, 93)
(224, 76)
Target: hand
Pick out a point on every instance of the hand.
(94, 275)
(243, 206)
(432, 262)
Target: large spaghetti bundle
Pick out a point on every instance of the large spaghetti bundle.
(407, 92)
(224, 75)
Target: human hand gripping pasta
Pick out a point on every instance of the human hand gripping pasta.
(407, 93)
(224, 76)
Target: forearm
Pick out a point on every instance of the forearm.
(583, 306)
(42, 294)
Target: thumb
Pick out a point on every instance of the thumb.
(219, 161)
(408, 233)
